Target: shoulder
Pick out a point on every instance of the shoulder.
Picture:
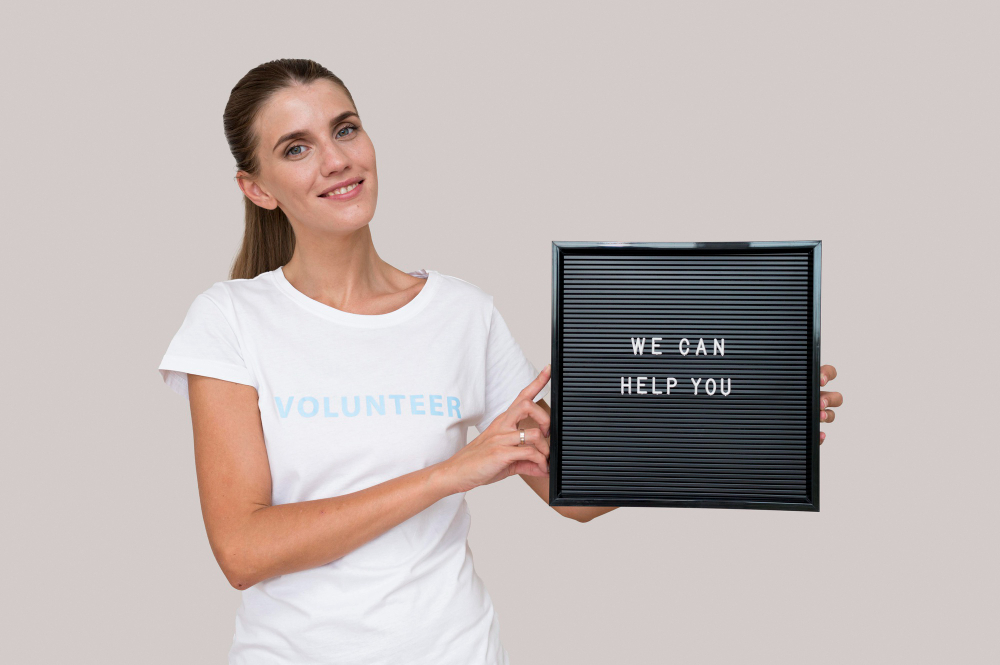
(231, 292)
(459, 295)
(462, 286)
(466, 293)
(233, 298)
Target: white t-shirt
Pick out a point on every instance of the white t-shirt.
(348, 401)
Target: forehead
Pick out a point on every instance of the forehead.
(302, 107)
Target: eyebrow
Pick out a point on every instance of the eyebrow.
(302, 133)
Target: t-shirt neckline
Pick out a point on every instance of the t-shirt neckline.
(404, 313)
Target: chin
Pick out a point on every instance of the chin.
(354, 219)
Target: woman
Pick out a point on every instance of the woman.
(330, 398)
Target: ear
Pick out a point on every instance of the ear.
(254, 192)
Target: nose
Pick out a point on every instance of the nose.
(334, 157)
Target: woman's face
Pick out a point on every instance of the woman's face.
(311, 147)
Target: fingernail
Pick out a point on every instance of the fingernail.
(822, 378)
(822, 416)
(823, 402)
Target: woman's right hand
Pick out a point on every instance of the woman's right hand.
(497, 452)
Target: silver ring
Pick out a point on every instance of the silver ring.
(522, 437)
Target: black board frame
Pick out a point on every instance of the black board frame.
(560, 249)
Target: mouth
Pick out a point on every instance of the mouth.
(344, 190)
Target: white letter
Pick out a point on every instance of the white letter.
(712, 391)
(638, 384)
(652, 347)
(655, 391)
(701, 347)
(722, 386)
(637, 348)
(629, 385)
(719, 344)
(695, 384)
(671, 382)
(681, 347)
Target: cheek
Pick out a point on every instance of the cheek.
(303, 179)
(294, 182)
(365, 155)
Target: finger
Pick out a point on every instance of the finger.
(537, 438)
(532, 389)
(822, 436)
(827, 373)
(830, 399)
(530, 392)
(529, 453)
(827, 415)
(527, 409)
(529, 469)
(532, 437)
(534, 440)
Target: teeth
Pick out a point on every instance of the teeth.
(342, 190)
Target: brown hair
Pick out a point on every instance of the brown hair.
(268, 239)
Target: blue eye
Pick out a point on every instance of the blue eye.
(340, 134)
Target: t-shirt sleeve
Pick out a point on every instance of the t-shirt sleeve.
(508, 371)
(207, 345)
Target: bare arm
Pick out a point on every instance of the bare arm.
(253, 540)
(541, 483)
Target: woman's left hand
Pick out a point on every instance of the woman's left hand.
(827, 373)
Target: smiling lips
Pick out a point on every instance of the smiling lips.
(345, 192)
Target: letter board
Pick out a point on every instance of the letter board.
(721, 410)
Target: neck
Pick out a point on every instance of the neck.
(343, 270)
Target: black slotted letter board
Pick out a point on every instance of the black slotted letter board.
(731, 423)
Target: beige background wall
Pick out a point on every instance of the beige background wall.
(500, 128)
